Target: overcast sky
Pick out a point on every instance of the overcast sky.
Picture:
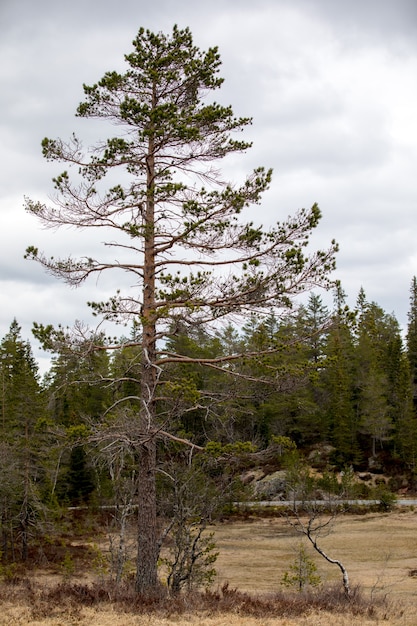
(331, 87)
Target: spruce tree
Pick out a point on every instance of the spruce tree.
(412, 337)
(339, 383)
(22, 454)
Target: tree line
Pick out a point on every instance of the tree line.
(342, 377)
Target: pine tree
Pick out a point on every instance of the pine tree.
(192, 257)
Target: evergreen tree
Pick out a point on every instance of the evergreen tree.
(339, 383)
(382, 397)
(79, 392)
(375, 420)
(192, 257)
(371, 380)
(21, 467)
(404, 415)
(412, 337)
(314, 322)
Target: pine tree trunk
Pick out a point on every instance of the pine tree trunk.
(147, 555)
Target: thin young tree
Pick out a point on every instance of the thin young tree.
(311, 517)
(175, 224)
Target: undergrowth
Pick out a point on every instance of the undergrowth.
(69, 597)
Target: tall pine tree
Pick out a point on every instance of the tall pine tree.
(176, 225)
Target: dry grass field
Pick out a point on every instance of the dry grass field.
(379, 551)
(94, 617)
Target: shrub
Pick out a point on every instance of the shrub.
(386, 498)
(303, 572)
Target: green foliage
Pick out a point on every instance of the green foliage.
(386, 498)
(77, 384)
(79, 483)
(285, 444)
(67, 566)
(329, 483)
(77, 432)
(8, 571)
(412, 335)
(100, 563)
(300, 482)
(339, 383)
(340, 484)
(302, 572)
(24, 449)
(238, 448)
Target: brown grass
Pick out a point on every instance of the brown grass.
(379, 550)
(81, 604)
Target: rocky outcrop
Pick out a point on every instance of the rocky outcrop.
(271, 487)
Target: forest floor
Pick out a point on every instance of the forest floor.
(379, 550)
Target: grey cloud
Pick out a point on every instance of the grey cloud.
(311, 72)
(373, 19)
